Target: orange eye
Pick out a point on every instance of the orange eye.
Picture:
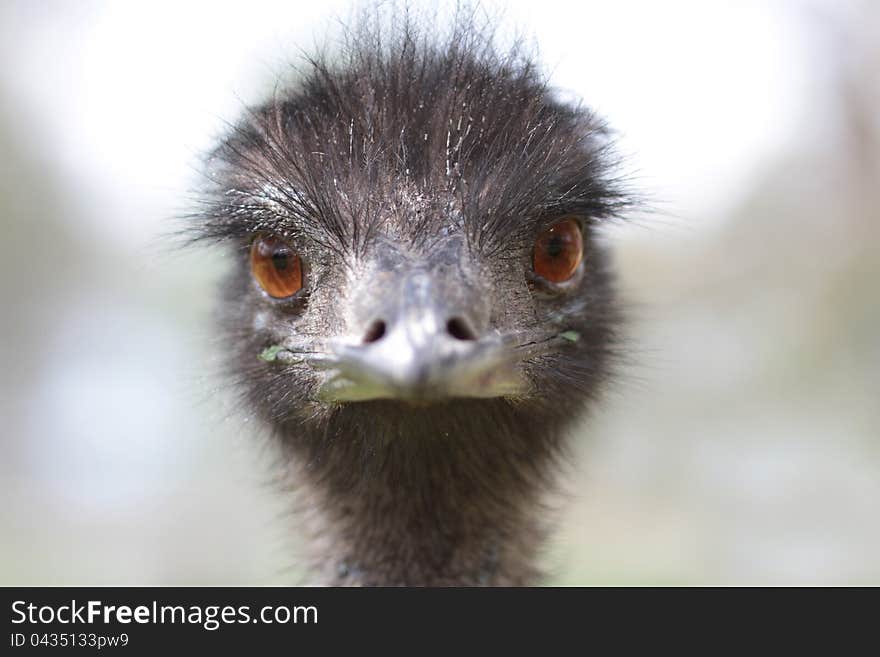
(558, 251)
(277, 269)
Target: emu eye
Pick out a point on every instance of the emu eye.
(276, 267)
(558, 251)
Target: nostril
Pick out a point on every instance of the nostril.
(375, 332)
(459, 329)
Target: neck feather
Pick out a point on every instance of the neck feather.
(446, 495)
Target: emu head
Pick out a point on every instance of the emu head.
(415, 228)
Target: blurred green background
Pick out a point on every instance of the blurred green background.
(740, 446)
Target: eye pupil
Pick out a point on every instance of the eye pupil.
(555, 247)
(558, 251)
(275, 267)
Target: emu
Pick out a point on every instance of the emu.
(419, 308)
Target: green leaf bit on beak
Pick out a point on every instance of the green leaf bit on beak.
(270, 354)
(571, 336)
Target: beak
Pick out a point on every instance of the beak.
(426, 346)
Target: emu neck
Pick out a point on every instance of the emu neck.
(445, 496)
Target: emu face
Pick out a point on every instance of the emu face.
(419, 306)
(415, 227)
